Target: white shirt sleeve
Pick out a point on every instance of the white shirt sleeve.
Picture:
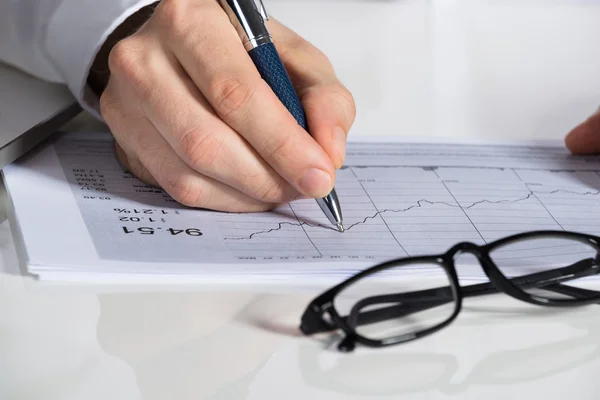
(57, 40)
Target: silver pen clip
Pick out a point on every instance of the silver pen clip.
(261, 9)
(248, 17)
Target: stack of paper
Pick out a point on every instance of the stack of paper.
(78, 216)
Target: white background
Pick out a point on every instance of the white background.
(476, 68)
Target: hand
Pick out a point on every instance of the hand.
(191, 114)
(585, 138)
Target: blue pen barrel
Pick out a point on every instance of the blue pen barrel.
(272, 70)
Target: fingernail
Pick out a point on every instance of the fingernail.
(339, 140)
(315, 183)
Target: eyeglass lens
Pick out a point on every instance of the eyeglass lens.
(535, 255)
(377, 308)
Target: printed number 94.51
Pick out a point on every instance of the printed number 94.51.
(172, 231)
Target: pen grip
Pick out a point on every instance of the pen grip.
(271, 68)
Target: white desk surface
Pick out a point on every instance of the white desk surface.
(473, 68)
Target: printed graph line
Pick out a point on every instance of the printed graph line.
(588, 193)
(548, 211)
(418, 204)
(540, 201)
(306, 233)
(467, 166)
(467, 194)
(467, 215)
(377, 209)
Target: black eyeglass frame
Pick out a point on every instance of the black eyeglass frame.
(313, 320)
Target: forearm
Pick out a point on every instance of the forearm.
(59, 40)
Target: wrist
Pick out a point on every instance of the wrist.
(99, 73)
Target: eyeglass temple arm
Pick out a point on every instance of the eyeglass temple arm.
(413, 302)
(575, 292)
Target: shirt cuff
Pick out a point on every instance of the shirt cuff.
(76, 33)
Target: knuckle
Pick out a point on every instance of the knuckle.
(172, 16)
(297, 43)
(300, 45)
(128, 64)
(344, 98)
(318, 55)
(123, 58)
(185, 190)
(138, 170)
(231, 95)
(201, 150)
(142, 173)
(273, 191)
(281, 148)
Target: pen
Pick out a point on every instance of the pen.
(248, 17)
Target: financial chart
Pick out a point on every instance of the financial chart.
(397, 200)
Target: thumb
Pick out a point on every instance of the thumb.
(585, 138)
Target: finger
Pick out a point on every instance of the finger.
(232, 85)
(136, 135)
(330, 114)
(184, 118)
(187, 186)
(130, 163)
(329, 106)
(307, 65)
(585, 138)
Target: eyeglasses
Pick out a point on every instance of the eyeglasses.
(389, 304)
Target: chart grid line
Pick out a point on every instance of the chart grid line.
(307, 236)
(381, 216)
(546, 208)
(464, 211)
(421, 198)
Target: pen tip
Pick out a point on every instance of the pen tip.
(340, 227)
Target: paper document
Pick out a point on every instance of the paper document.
(79, 215)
